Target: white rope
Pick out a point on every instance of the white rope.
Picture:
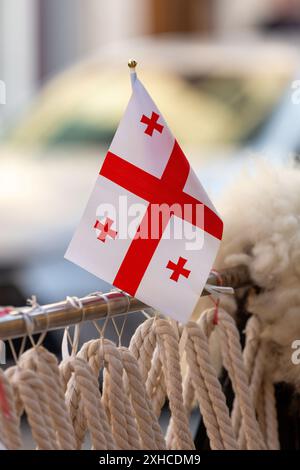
(137, 382)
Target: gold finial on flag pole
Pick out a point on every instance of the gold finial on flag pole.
(132, 63)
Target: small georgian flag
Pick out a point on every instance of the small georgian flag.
(149, 227)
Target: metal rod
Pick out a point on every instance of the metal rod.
(61, 314)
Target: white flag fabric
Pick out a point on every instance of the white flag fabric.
(149, 228)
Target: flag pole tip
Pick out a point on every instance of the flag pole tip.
(132, 63)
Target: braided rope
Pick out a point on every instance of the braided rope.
(188, 402)
(157, 339)
(114, 397)
(188, 393)
(254, 389)
(131, 424)
(201, 380)
(113, 403)
(124, 428)
(90, 350)
(252, 332)
(155, 383)
(32, 395)
(136, 383)
(9, 373)
(90, 399)
(27, 364)
(208, 390)
(142, 346)
(233, 362)
(169, 347)
(260, 386)
(73, 402)
(147, 422)
(43, 363)
(9, 422)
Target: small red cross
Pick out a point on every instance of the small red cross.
(152, 123)
(105, 229)
(178, 269)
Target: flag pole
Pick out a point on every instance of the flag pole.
(96, 307)
(132, 63)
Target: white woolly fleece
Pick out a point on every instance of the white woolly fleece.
(261, 214)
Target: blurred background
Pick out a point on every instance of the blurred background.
(223, 72)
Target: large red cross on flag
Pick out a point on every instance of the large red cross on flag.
(149, 228)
